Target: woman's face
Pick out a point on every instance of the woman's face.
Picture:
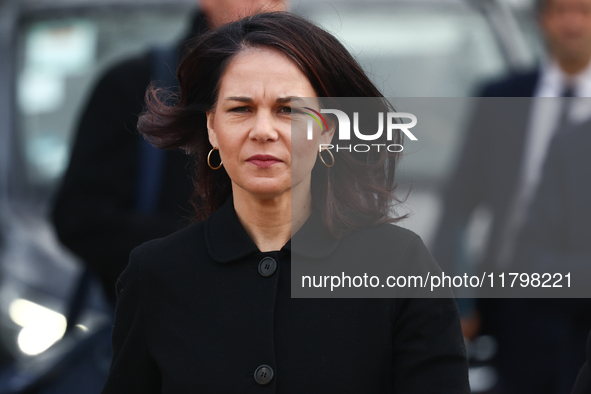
(251, 124)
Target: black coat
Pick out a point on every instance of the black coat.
(194, 314)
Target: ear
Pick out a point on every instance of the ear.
(327, 135)
(213, 140)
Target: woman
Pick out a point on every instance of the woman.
(208, 309)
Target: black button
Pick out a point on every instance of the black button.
(267, 266)
(263, 374)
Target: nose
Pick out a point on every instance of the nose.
(575, 18)
(265, 127)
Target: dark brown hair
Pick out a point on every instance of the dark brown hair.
(357, 191)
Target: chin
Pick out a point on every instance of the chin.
(265, 191)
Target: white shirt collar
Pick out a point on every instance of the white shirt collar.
(553, 79)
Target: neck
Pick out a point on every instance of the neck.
(270, 223)
(573, 66)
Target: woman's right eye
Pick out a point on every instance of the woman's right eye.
(239, 109)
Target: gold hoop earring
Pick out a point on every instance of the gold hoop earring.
(209, 163)
(331, 156)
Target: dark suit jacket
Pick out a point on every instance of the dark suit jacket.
(487, 170)
(515, 85)
(557, 233)
(557, 237)
(94, 211)
(195, 315)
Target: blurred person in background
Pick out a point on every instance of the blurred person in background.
(118, 191)
(500, 169)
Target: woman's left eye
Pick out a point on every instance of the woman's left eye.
(285, 110)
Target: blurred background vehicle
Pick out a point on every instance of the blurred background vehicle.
(53, 52)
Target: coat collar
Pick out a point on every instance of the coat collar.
(228, 241)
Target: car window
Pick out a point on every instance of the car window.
(417, 50)
(59, 59)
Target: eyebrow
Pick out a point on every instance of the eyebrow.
(239, 98)
(280, 100)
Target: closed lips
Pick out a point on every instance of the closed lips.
(263, 160)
